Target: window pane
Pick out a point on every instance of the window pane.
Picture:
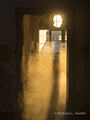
(43, 40)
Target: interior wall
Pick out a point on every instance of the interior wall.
(82, 58)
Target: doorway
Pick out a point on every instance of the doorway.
(31, 50)
(45, 85)
(54, 49)
(51, 44)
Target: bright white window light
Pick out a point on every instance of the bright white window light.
(57, 21)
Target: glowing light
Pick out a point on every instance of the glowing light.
(42, 38)
(60, 37)
(57, 21)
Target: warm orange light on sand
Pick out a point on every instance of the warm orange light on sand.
(45, 88)
(62, 82)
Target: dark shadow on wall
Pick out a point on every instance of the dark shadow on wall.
(9, 116)
(8, 84)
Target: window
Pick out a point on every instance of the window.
(60, 37)
(65, 35)
(57, 21)
(54, 37)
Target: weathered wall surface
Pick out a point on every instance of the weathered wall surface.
(82, 57)
(8, 81)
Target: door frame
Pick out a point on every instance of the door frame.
(71, 16)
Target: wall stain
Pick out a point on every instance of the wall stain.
(83, 51)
